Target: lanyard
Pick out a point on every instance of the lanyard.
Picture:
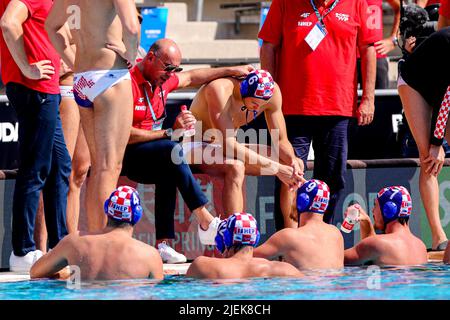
(319, 17)
(150, 104)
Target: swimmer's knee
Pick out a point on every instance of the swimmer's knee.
(79, 174)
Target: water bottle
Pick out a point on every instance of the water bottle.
(350, 220)
(191, 130)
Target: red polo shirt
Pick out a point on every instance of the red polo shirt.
(142, 116)
(321, 82)
(444, 10)
(37, 47)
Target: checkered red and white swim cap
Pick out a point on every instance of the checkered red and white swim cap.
(395, 202)
(238, 229)
(313, 196)
(124, 205)
(258, 84)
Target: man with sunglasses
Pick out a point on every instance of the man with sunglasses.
(148, 157)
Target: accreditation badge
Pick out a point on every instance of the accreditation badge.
(157, 125)
(316, 35)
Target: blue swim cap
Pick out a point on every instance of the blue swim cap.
(258, 84)
(124, 205)
(395, 202)
(238, 229)
(313, 196)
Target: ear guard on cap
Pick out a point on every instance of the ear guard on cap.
(394, 202)
(303, 202)
(313, 196)
(225, 234)
(244, 89)
(390, 210)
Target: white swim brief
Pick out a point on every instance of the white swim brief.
(88, 85)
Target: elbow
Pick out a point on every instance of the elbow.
(6, 25)
(33, 272)
(132, 30)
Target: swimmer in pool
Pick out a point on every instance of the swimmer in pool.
(235, 239)
(398, 246)
(314, 244)
(110, 254)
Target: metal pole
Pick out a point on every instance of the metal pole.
(199, 10)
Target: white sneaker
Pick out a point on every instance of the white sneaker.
(207, 237)
(169, 255)
(23, 264)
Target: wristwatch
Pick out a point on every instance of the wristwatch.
(168, 132)
(395, 41)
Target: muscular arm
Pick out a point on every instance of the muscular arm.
(198, 77)
(218, 98)
(50, 264)
(273, 247)
(395, 4)
(369, 69)
(275, 121)
(268, 58)
(11, 22)
(126, 10)
(363, 252)
(59, 33)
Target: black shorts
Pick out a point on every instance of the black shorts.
(427, 69)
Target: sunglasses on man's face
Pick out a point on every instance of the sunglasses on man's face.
(168, 67)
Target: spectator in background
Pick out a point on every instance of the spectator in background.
(444, 14)
(30, 70)
(424, 88)
(319, 83)
(148, 157)
(382, 46)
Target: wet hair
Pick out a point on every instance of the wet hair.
(403, 220)
(117, 224)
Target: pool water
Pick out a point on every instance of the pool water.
(425, 282)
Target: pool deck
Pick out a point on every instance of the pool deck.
(169, 269)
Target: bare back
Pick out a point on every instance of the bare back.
(315, 246)
(93, 25)
(113, 256)
(400, 248)
(235, 268)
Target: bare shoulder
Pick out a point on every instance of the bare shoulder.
(336, 232)
(373, 243)
(201, 267)
(146, 248)
(221, 86)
